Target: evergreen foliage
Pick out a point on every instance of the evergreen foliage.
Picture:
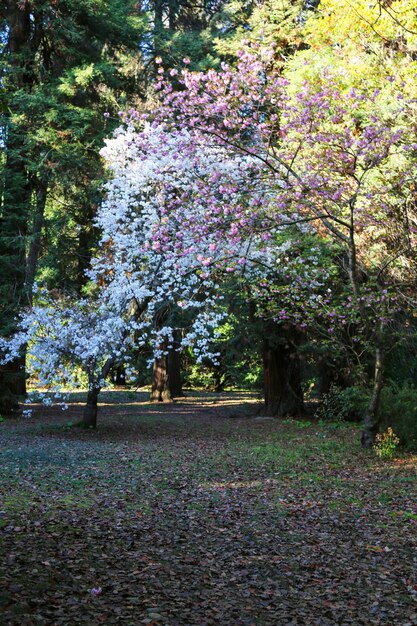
(63, 65)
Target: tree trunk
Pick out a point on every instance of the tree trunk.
(160, 388)
(86, 240)
(12, 386)
(219, 379)
(89, 419)
(167, 375)
(282, 379)
(13, 224)
(14, 214)
(35, 242)
(372, 420)
(174, 369)
(90, 410)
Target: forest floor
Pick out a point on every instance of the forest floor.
(200, 513)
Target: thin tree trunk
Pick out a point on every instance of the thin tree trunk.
(35, 242)
(90, 410)
(372, 420)
(85, 243)
(89, 419)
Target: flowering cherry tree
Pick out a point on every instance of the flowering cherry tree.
(337, 159)
(177, 214)
(70, 341)
(195, 210)
(211, 183)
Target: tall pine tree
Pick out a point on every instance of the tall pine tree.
(63, 65)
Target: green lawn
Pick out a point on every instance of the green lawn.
(200, 513)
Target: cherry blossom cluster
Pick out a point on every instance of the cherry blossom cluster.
(339, 159)
(68, 342)
(179, 213)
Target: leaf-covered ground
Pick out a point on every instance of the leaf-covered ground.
(200, 513)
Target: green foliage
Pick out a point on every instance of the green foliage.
(182, 30)
(63, 64)
(343, 404)
(362, 42)
(173, 46)
(401, 361)
(276, 22)
(399, 411)
(71, 65)
(239, 363)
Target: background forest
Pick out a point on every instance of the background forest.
(328, 326)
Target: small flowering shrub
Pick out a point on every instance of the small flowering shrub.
(386, 444)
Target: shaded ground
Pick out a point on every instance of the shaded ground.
(199, 513)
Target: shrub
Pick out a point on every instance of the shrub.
(343, 404)
(399, 411)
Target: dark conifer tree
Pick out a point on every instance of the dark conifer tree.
(63, 65)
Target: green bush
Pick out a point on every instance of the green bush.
(239, 375)
(399, 411)
(343, 404)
